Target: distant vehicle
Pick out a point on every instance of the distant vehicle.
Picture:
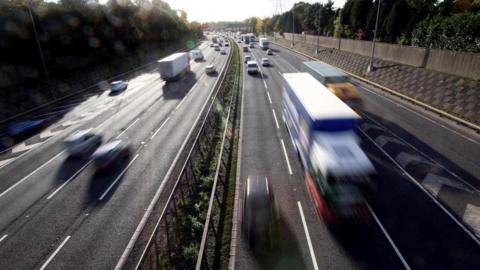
(252, 67)
(251, 46)
(197, 55)
(174, 66)
(337, 82)
(210, 69)
(227, 44)
(215, 39)
(264, 43)
(247, 38)
(110, 155)
(223, 51)
(118, 86)
(247, 58)
(23, 128)
(265, 62)
(322, 129)
(239, 41)
(269, 52)
(82, 143)
(245, 48)
(259, 218)
(212, 45)
(216, 47)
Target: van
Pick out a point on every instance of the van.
(197, 55)
(252, 67)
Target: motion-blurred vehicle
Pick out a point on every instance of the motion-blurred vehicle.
(260, 218)
(210, 69)
(223, 51)
(174, 66)
(110, 155)
(265, 62)
(247, 58)
(196, 55)
(245, 48)
(118, 86)
(82, 143)
(337, 82)
(227, 44)
(252, 67)
(322, 128)
(216, 47)
(212, 45)
(269, 52)
(23, 128)
(251, 46)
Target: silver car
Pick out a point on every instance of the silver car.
(112, 154)
(118, 86)
(82, 143)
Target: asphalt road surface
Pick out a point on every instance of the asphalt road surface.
(426, 207)
(55, 212)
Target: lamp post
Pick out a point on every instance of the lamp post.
(40, 51)
(370, 66)
(293, 28)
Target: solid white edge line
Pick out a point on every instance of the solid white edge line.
(395, 248)
(156, 131)
(422, 116)
(269, 98)
(3, 237)
(275, 117)
(118, 177)
(309, 241)
(55, 253)
(440, 205)
(129, 126)
(30, 174)
(286, 157)
(69, 179)
(264, 83)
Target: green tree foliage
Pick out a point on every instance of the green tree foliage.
(396, 21)
(86, 29)
(459, 32)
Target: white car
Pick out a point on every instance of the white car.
(252, 67)
(210, 69)
(82, 143)
(216, 47)
(247, 58)
(223, 51)
(118, 86)
(265, 62)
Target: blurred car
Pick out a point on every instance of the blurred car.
(223, 51)
(212, 45)
(82, 143)
(216, 47)
(265, 62)
(269, 52)
(112, 154)
(210, 69)
(245, 48)
(22, 128)
(259, 221)
(118, 86)
(227, 44)
(251, 45)
(247, 58)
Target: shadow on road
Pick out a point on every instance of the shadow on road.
(178, 89)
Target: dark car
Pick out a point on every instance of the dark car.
(112, 154)
(259, 213)
(23, 128)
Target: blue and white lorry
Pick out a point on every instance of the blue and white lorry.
(322, 129)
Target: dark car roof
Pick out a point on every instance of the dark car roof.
(257, 190)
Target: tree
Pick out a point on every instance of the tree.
(396, 21)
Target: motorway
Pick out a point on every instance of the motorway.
(56, 213)
(426, 211)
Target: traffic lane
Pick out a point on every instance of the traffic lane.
(73, 214)
(404, 119)
(366, 247)
(426, 236)
(106, 232)
(427, 226)
(262, 155)
(116, 122)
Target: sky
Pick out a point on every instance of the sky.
(233, 10)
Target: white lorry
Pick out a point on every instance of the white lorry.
(172, 67)
(264, 43)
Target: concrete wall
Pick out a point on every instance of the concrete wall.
(456, 63)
